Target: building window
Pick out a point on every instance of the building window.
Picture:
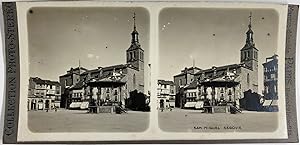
(272, 76)
(133, 55)
(129, 56)
(248, 79)
(116, 95)
(229, 92)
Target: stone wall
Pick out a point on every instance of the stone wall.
(248, 80)
(139, 80)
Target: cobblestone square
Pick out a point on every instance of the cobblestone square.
(81, 121)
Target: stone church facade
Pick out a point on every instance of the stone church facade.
(132, 73)
(244, 73)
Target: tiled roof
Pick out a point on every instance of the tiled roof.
(248, 47)
(77, 68)
(164, 82)
(185, 71)
(190, 68)
(107, 68)
(135, 46)
(46, 82)
(110, 78)
(91, 71)
(231, 66)
(74, 69)
(120, 66)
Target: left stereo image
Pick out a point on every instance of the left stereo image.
(88, 69)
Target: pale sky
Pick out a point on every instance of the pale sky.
(60, 37)
(212, 37)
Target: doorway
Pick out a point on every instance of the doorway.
(161, 103)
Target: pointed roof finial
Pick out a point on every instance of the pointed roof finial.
(250, 19)
(134, 27)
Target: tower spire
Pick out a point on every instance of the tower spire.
(134, 34)
(249, 40)
(134, 27)
(250, 19)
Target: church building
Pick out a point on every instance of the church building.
(109, 84)
(222, 83)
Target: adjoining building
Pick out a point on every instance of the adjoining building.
(68, 80)
(77, 97)
(191, 95)
(222, 81)
(271, 84)
(107, 83)
(165, 94)
(43, 94)
(185, 78)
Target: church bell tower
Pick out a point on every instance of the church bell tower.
(135, 54)
(249, 54)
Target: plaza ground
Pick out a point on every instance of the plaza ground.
(178, 120)
(181, 120)
(81, 121)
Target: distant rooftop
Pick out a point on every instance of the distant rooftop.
(44, 82)
(165, 82)
(217, 68)
(190, 70)
(271, 58)
(107, 68)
